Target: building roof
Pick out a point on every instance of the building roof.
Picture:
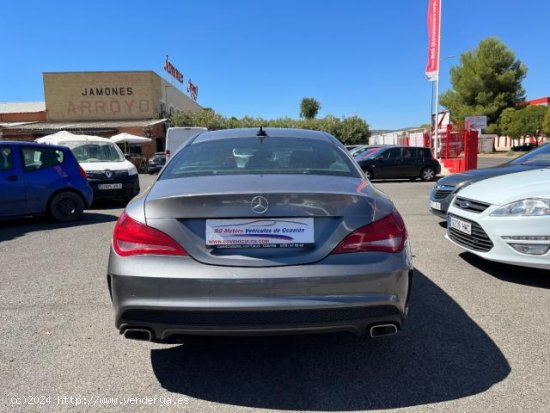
(22, 107)
(545, 101)
(12, 125)
(91, 127)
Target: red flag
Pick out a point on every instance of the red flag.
(434, 14)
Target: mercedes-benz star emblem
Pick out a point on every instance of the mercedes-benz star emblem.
(108, 173)
(259, 204)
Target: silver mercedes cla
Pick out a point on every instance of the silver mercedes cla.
(260, 231)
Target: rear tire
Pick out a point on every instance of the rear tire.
(369, 174)
(66, 207)
(428, 173)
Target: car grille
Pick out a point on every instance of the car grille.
(257, 318)
(442, 193)
(469, 205)
(101, 174)
(477, 241)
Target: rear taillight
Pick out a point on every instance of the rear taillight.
(82, 172)
(167, 154)
(387, 235)
(131, 237)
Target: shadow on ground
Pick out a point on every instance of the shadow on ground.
(441, 355)
(11, 229)
(510, 273)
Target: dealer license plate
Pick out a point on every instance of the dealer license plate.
(109, 186)
(460, 225)
(260, 233)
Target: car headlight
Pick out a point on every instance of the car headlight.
(132, 170)
(532, 207)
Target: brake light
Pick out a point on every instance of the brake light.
(167, 154)
(131, 237)
(82, 172)
(387, 235)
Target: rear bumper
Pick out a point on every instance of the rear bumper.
(166, 323)
(341, 293)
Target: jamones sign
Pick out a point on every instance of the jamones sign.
(193, 90)
(171, 69)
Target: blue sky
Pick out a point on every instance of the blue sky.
(259, 58)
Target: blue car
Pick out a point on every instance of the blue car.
(40, 179)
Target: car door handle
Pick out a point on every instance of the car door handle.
(12, 178)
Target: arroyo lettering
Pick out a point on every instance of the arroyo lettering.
(113, 107)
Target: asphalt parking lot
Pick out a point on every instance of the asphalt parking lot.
(476, 340)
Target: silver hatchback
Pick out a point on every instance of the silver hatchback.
(291, 238)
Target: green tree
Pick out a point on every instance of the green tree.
(521, 122)
(487, 81)
(309, 107)
(505, 121)
(348, 130)
(546, 123)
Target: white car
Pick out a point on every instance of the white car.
(505, 219)
(109, 173)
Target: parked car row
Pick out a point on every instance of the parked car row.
(502, 213)
(109, 173)
(448, 187)
(61, 174)
(268, 231)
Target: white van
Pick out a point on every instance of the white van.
(109, 173)
(178, 136)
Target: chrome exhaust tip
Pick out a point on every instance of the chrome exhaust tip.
(138, 334)
(380, 330)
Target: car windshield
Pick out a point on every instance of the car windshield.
(260, 156)
(364, 155)
(374, 154)
(539, 156)
(90, 151)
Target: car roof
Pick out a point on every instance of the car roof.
(56, 140)
(399, 146)
(270, 132)
(34, 144)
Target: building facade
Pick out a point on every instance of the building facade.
(98, 103)
(91, 96)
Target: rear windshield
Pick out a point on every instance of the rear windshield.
(89, 151)
(260, 156)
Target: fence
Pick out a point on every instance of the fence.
(458, 148)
